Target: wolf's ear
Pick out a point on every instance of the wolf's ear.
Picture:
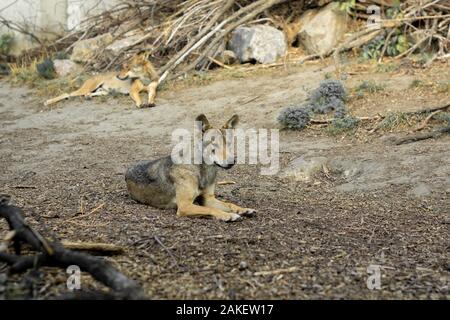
(232, 123)
(205, 123)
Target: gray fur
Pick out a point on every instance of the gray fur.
(153, 182)
(207, 175)
(149, 182)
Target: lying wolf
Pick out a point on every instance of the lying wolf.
(130, 80)
(163, 184)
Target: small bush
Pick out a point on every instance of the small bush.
(393, 120)
(46, 69)
(328, 97)
(295, 118)
(416, 83)
(333, 104)
(5, 70)
(6, 41)
(328, 91)
(342, 125)
(398, 43)
(24, 74)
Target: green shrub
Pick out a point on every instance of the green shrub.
(346, 124)
(6, 41)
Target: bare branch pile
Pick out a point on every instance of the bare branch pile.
(426, 22)
(182, 35)
(54, 254)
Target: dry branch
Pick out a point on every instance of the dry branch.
(182, 35)
(427, 119)
(105, 248)
(422, 136)
(276, 272)
(54, 254)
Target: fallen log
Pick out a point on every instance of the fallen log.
(54, 254)
(422, 136)
(106, 248)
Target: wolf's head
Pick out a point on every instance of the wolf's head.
(138, 68)
(217, 143)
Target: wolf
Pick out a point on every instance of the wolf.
(136, 76)
(189, 188)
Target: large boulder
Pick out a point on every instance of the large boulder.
(260, 43)
(228, 57)
(118, 45)
(85, 50)
(65, 67)
(322, 29)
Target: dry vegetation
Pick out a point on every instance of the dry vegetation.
(184, 35)
(332, 236)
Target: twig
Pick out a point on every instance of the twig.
(169, 252)
(87, 214)
(54, 254)
(326, 121)
(443, 106)
(414, 18)
(225, 182)
(422, 136)
(23, 187)
(219, 63)
(93, 246)
(427, 119)
(386, 44)
(275, 272)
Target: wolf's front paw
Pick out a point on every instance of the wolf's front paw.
(146, 105)
(230, 217)
(247, 212)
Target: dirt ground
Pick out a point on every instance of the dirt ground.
(393, 211)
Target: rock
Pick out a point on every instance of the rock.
(65, 67)
(322, 29)
(302, 169)
(421, 190)
(84, 50)
(260, 43)
(118, 45)
(228, 57)
(243, 265)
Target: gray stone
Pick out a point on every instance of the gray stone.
(322, 29)
(120, 44)
(85, 50)
(302, 169)
(420, 190)
(228, 57)
(260, 43)
(66, 67)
